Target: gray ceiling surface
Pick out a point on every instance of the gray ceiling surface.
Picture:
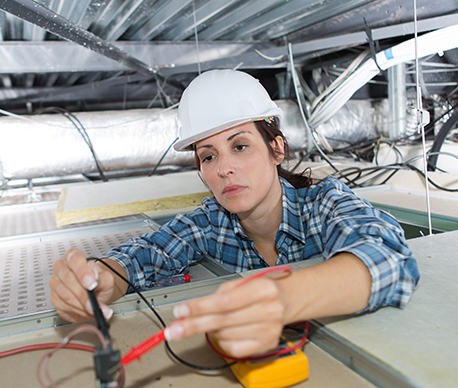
(99, 54)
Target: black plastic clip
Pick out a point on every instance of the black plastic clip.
(371, 44)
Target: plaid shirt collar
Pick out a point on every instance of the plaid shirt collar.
(291, 222)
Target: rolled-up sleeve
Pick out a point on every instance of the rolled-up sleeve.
(166, 252)
(351, 224)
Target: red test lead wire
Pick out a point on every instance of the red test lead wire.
(267, 271)
(144, 347)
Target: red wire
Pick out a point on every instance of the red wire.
(51, 345)
(268, 271)
(282, 268)
(263, 356)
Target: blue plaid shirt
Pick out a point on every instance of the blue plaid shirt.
(319, 221)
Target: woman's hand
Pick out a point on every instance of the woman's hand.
(245, 320)
(248, 319)
(72, 277)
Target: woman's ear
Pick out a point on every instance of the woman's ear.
(278, 145)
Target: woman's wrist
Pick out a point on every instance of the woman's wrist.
(119, 285)
(292, 298)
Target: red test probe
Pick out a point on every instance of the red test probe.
(136, 352)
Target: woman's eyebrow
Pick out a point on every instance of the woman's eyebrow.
(204, 146)
(228, 139)
(237, 134)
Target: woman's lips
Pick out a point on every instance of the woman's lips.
(230, 191)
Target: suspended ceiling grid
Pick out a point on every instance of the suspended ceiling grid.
(143, 53)
(26, 268)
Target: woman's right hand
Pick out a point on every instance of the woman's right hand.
(72, 277)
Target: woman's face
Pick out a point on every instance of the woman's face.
(240, 170)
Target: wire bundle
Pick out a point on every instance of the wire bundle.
(430, 43)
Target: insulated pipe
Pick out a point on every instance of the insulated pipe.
(50, 145)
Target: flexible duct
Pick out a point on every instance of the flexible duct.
(50, 145)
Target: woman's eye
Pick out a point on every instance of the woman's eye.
(240, 147)
(206, 159)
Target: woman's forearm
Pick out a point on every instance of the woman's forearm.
(338, 286)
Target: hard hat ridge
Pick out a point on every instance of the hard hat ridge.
(218, 100)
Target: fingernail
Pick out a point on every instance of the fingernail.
(181, 311)
(107, 312)
(69, 256)
(89, 283)
(174, 332)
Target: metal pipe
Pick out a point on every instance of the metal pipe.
(397, 101)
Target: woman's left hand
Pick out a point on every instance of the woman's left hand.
(245, 320)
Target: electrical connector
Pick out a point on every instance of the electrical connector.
(107, 362)
(107, 366)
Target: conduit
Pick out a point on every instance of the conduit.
(430, 43)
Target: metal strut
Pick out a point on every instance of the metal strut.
(422, 120)
(35, 13)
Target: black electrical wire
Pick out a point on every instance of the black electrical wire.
(169, 349)
(440, 138)
(338, 151)
(392, 146)
(391, 169)
(356, 151)
(365, 173)
(162, 157)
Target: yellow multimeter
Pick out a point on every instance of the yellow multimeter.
(274, 372)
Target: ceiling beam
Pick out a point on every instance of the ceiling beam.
(32, 12)
(60, 56)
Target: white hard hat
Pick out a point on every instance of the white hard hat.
(218, 100)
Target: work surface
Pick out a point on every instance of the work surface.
(74, 369)
(415, 347)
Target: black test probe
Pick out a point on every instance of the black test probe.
(107, 361)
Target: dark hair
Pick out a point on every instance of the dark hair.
(269, 130)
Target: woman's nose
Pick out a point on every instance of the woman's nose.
(225, 165)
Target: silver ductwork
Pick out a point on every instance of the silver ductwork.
(49, 145)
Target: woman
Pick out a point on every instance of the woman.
(260, 215)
